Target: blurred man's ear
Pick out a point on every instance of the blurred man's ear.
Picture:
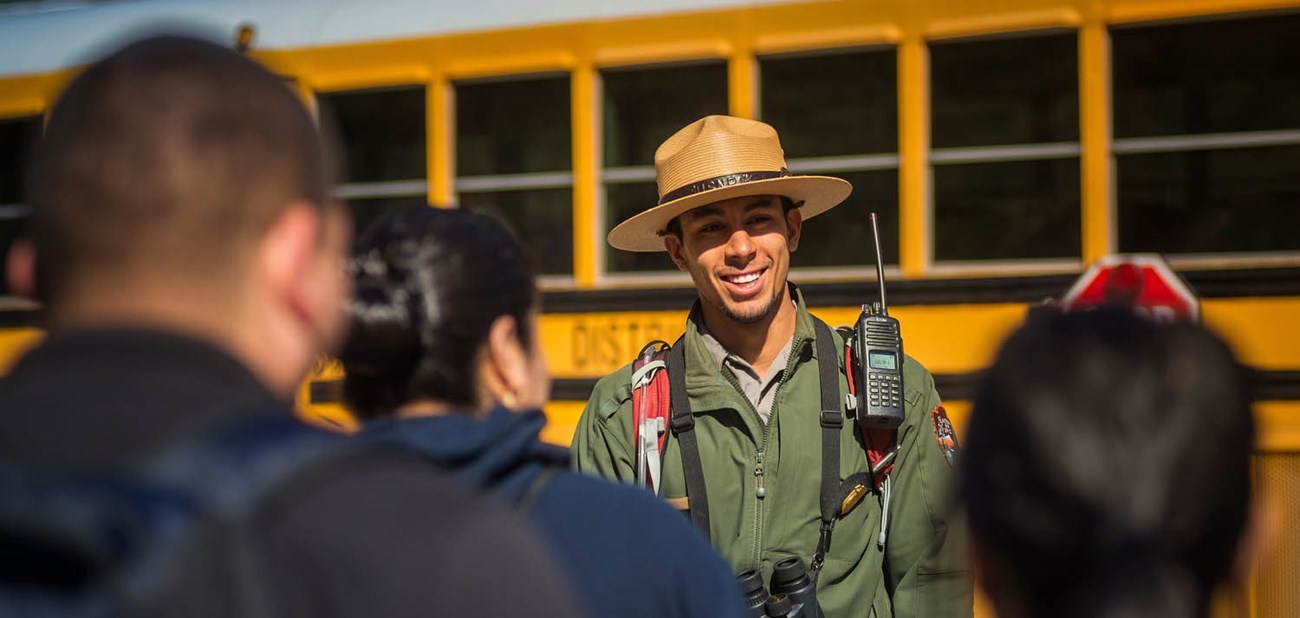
(20, 269)
(286, 257)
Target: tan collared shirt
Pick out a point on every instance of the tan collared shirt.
(759, 390)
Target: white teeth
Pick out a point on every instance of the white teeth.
(743, 279)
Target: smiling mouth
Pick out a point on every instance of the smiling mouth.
(743, 279)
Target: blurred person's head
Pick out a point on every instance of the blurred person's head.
(1107, 467)
(444, 318)
(181, 185)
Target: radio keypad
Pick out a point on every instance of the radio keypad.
(883, 389)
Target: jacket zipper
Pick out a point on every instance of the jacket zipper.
(760, 490)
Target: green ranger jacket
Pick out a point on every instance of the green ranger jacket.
(923, 568)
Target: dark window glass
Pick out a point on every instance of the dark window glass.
(1004, 91)
(366, 210)
(17, 137)
(1016, 210)
(837, 104)
(542, 218)
(1210, 201)
(1210, 77)
(842, 235)
(383, 132)
(513, 127)
(623, 200)
(643, 107)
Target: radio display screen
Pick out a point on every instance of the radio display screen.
(883, 360)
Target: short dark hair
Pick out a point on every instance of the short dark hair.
(429, 284)
(171, 153)
(674, 225)
(1107, 464)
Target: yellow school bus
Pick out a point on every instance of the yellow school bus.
(1005, 144)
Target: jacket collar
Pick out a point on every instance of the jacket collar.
(499, 451)
(702, 372)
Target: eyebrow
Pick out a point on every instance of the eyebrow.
(759, 201)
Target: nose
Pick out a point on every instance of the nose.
(740, 247)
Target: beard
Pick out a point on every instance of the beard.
(756, 315)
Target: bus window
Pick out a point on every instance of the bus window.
(514, 160)
(1005, 131)
(837, 114)
(383, 137)
(1207, 136)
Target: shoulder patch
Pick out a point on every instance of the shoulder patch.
(943, 433)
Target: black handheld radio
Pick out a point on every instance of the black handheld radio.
(878, 354)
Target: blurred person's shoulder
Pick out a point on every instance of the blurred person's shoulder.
(390, 535)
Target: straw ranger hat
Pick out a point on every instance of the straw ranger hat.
(718, 158)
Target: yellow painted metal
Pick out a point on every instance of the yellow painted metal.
(687, 35)
(914, 157)
(828, 38)
(334, 416)
(30, 95)
(588, 230)
(979, 20)
(946, 338)
(1264, 332)
(591, 345)
(15, 342)
(1094, 140)
(1279, 426)
(1118, 11)
(742, 83)
(441, 159)
(561, 421)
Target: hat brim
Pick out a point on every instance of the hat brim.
(818, 194)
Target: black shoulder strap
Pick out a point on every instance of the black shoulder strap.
(683, 426)
(832, 420)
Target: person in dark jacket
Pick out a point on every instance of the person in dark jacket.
(444, 356)
(189, 257)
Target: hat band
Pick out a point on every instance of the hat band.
(719, 182)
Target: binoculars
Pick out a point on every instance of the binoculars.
(793, 593)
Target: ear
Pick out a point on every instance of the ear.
(506, 361)
(20, 269)
(794, 223)
(284, 260)
(673, 245)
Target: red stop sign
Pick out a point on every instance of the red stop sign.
(1144, 282)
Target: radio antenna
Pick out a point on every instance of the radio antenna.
(880, 266)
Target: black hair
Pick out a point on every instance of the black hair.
(674, 225)
(1107, 464)
(429, 283)
(168, 138)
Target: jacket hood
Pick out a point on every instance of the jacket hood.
(500, 452)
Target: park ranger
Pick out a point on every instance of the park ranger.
(753, 362)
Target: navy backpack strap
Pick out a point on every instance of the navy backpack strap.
(231, 469)
(682, 423)
(233, 474)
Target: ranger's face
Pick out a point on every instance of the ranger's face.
(738, 254)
